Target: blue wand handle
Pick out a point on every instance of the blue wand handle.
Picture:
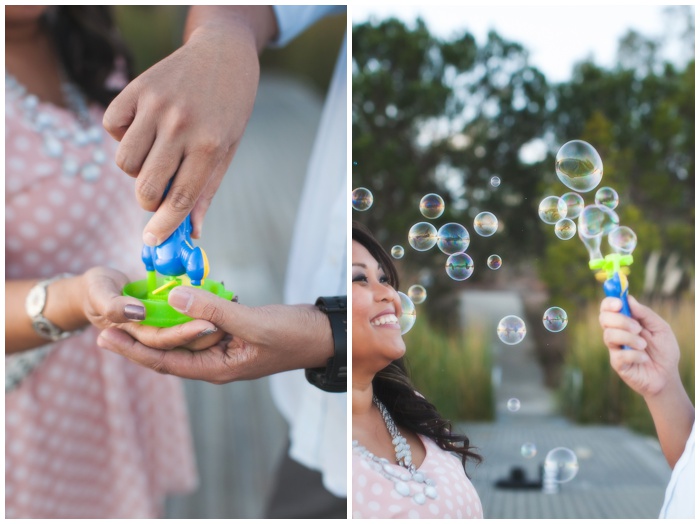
(617, 286)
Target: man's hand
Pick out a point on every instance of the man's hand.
(260, 341)
(183, 118)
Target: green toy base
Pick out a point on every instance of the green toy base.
(158, 312)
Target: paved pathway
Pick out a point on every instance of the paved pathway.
(621, 474)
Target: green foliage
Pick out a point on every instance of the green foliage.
(453, 371)
(591, 391)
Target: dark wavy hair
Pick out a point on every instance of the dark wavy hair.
(392, 385)
(89, 47)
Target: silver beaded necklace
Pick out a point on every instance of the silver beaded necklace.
(403, 459)
(58, 139)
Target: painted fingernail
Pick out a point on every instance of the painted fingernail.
(150, 239)
(134, 312)
(181, 299)
(207, 332)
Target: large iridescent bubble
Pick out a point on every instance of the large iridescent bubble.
(459, 266)
(579, 166)
(453, 238)
(596, 220)
(552, 209)
(422, 236)
(574, 204)
(555, 319)
(622, 240)
(485, 224)
(408, 314)
(362, 199)
(432, 206)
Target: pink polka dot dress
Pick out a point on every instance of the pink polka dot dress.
(380, 492)
(88, 434)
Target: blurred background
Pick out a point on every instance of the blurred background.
(443, 101)
(239, 436)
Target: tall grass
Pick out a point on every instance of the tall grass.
(593, 393)
(453, 371)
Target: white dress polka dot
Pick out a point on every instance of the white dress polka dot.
(89, 434)
(374, 496)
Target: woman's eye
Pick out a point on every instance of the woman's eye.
(359, 278)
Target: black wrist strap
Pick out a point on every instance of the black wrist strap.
(333, 378)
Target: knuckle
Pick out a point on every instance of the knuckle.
(148, 193)
(159, 366)
(182, 199)
(213, 314)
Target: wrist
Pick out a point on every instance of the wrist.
(256, 25)
(65, 303)
(333, 377)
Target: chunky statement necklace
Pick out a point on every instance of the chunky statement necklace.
(403, 459)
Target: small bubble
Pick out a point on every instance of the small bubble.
(494, 262)
(362, 199)
(459, 266)
(422, 236)
(485, 224)
(552, 209)
(565, 229)
(417, 294)
(574, 204)
(453, 238)
(563, 462)
(495, 181)
(555, 319)
(511, 330)
(622, 240)
(408, 314)
(528, 450)
(513, 405)
(607, 196)
(432, 206)
(397, 252)
(579, 166)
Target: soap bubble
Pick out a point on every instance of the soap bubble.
(552, 209)
(607, 196)
(528, 450)
(397, 252)
(565, 228)
(579, 166)
(592, 245)
(495, 181)
(511, 330)
(453, 238)
(494, 262)
(417, 294)
(563, 462)
(555, 319)
(513, 404)
(459, 266)
(596, 220)
(362, 199)
(622, 240)
(574, 204)
(485, 224)
(408, 314)
(432, 205)
(422, 236)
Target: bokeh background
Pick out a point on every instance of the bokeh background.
(437, 112)
(239, 435)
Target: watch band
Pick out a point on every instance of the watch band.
(35, 304)
(333, 378)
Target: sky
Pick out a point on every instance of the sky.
(556, 36)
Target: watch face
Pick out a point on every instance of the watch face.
(36, 299)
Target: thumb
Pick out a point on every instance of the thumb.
(202, 304)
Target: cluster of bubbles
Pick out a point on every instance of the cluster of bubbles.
(580, 168)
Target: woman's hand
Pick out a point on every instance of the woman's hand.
(651, 362)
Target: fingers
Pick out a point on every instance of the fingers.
(179, 362)
(622, 360)
(617, 338)
(193, 334)
(135, 144)
(121, 112)
(647, 317)
(200, 304)
(105, 295)
(190, 180)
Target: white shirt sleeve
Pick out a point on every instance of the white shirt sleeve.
(679, 502)
(294, 19)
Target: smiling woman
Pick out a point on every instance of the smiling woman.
(403, 464)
